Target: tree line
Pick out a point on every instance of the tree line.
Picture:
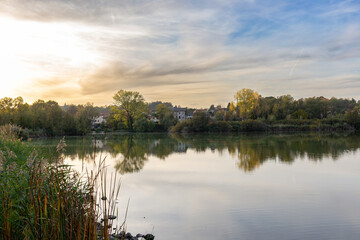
(248, 111)
(47, 118)
(249, 104)
(251, 112)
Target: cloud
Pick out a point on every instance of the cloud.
(185, 50)
(338, 9)
(117, 76)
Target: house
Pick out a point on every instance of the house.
(179, 113)
(154, 119)
(98, 121)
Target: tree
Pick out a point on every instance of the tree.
(84, 116)
(299, 114)
(47, 116)
(219, 115)
(165, 116)
(230, 113)
(200, 121)
(131, 105)
(316, 107)
(353, 118)
(153, 105)
(283, 106)
(9, 108)
(115, 119)
(143, 124)
(247, 102)
(266, 105)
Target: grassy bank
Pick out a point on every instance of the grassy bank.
(189, 126)
(43, 199)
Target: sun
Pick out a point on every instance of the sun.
(39, 50)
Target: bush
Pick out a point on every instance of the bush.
(183, 127)
(144, 125)
(220, 126)
(248, 126)
(200, 122)
(290, 125)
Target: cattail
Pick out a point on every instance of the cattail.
(2, 160)
(61, 146)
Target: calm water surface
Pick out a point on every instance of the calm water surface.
(231, 186)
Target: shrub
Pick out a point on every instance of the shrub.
(183, 127)
(200, 122)
(144, 125)
(220, 126)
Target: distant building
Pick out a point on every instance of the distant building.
(154, 119)
(179, 113)
(97, 121)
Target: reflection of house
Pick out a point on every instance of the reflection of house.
(98, 143)
(181, 147)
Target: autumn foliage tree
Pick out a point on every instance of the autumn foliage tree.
(247, 102)
(131, 106)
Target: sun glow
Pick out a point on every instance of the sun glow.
(35, 50)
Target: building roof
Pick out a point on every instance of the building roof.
(176, 109)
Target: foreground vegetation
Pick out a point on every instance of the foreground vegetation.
(43, 199)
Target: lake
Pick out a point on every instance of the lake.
(217, 186)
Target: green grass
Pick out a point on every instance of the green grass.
(43, 200)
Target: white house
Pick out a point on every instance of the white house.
(179, 113)
(154, 119)
(97, 121)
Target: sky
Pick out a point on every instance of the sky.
(190, 53)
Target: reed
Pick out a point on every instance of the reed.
(48, 200)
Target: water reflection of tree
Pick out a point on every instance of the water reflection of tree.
(251, 151)
(134, 153)
(136, 149)
(82, 148)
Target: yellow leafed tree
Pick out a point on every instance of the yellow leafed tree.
(247, 101)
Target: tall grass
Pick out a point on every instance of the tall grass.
(43, 200)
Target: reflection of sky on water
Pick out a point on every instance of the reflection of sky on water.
(233, 187)
(200, 195)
